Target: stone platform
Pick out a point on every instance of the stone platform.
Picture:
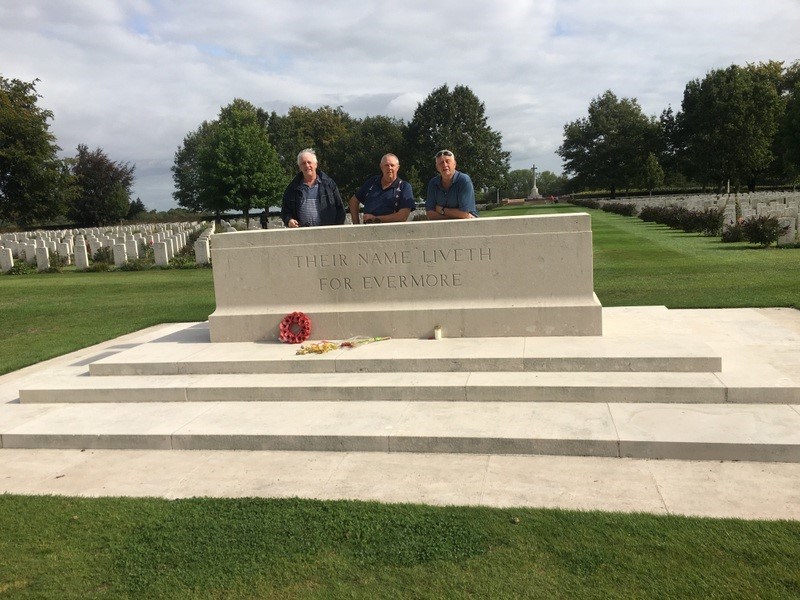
(688, 385)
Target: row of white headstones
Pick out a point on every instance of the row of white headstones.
(76, 246)
(784, 206)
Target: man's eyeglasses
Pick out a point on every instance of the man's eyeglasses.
(443, 153)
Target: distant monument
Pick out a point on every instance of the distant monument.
(534, 195)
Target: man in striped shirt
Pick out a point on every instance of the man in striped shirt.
(312, 197)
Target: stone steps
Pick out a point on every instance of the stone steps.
(649, 388)
(636, 387)
(587, 354)
(653, 430)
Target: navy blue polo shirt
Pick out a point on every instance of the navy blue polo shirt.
(378, 201)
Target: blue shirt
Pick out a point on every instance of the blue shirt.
(379, 201)
(308, 211)
(461, 194)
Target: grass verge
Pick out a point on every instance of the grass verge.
(47, 315)
(253, 548)
(644, 264)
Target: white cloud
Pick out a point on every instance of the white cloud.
(135, 76)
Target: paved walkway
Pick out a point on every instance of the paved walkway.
(717, 489)
(709, 488)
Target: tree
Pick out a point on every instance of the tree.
(550, 184)
(229, 164)
(456, 121)
(652, 174)
(322, 129)
(727, 124)
(787, 139)
(608, 148)
(34, 183)
(359, 151)
(186, 169)
(103, 188)
(240, 166)
(517, 184)
(136, 208)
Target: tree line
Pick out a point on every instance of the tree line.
(36, 186)
(738, 126)
(243, 160)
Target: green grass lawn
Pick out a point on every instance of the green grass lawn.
(261, 548)
(46, 315)
(641, 264)
(254, 548)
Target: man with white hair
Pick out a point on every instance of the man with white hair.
(312, 197)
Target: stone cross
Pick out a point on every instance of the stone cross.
(534, 191)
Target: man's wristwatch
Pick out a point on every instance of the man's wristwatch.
(441, 211)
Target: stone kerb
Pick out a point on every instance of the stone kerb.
(507, 276)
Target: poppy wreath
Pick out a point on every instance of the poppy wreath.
(295, 328)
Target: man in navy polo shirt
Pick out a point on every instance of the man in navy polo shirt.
(450, 194)
(386, 197)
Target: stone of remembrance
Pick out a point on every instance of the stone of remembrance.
(489, 277)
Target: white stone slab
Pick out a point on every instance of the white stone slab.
(105, 426)
(738, 490)
(341, 426)
(596, 387)
(572, 483)
(507, 428)
(345, 387)
(723, 432)
(122, 389)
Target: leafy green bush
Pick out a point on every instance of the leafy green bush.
(594, 204)
(184, 261)
(145, 250)
(103, 255)
(21, 268)
(733, 233)
(763, 230)
(98, 267)
(136, 264)
(56, 260)
(625, 209)
(708, 221)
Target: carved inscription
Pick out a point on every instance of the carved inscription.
(360, 260)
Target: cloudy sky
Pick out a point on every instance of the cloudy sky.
(135, 76)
